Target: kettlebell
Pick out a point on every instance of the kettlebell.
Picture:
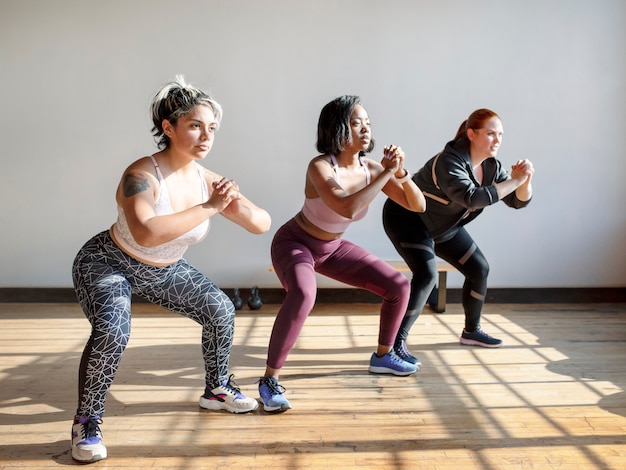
(237, 300)
(254, 301)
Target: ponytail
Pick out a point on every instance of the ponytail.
(475, 121)
(462, 132)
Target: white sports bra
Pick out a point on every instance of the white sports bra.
(166, 253)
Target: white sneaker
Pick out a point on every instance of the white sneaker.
(228, 397)
(87, 445)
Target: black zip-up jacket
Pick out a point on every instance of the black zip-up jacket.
(453, 196)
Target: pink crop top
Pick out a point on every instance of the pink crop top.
(166, 253)
(322, 216)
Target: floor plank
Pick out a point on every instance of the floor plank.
(552, 397)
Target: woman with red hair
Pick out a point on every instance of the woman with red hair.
(458, 183)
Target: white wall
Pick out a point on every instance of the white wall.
(77, 77)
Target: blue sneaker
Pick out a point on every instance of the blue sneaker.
(272, 394)
(479, 338)
(391, 364)
(403, 353)
(87, 445)
(228, 397)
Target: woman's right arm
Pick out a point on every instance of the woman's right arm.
(454, 180)
(136, 195)
(458, 186)
(321, 175)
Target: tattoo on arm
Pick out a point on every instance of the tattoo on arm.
(135, 183)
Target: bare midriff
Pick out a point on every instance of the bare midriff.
(313, 230)
(138, 258)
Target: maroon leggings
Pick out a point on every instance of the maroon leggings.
(296, 257)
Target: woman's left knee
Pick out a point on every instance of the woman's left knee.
(483, 269)
(398, 287)
(478, 272)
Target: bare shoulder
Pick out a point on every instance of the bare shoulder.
(321, 162)
(209, 175)
(374, 166)
(138, 177)
(144, 164)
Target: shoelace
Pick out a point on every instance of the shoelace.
(90, 428)
(396, 359)
(401, 347)
(481, 332)
(231, 385)
(273, 385)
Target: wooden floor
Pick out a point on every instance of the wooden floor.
(552, 398)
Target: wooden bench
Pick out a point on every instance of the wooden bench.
(437, 298)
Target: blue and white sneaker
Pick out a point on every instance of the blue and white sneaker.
(272, 395)
(403, 352)
(228, 397)
(87, 445)
(479, 338)
(390, 363)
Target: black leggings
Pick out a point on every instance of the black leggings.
(411, 239)
(105, 279)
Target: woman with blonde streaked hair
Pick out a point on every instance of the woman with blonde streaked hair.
(165, 203)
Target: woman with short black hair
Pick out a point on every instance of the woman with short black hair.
(340, 185)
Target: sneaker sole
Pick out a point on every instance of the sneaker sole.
(387, 371)
(214, 405)
(473, 342)
(84, 459)
(276, 409)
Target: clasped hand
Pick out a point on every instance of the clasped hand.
(393, 160)
(224, 192)
(522, 169)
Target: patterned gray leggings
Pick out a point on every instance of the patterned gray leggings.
(104, 280)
